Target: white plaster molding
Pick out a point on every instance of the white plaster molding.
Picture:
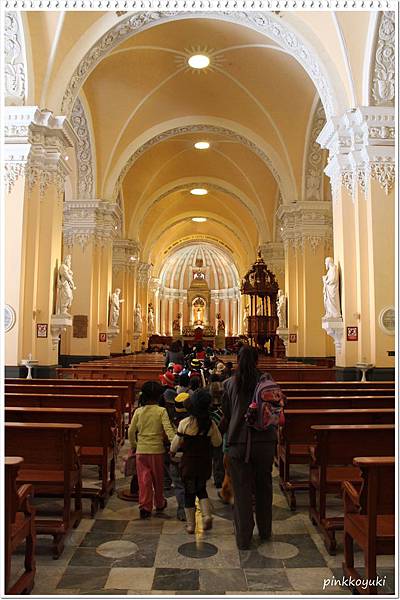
(144, 272)
(84, 158)
(361, 145)
(126, 255)
(306, 222)
(35, 144)
(274, 255)
(313, 175)
(58, 324)
(383, 81)
(87, 221)
(264, 22)
(15, 77)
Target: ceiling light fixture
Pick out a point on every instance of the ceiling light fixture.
(202, 145)
(199, 219)
(198, 61)
(198, 192)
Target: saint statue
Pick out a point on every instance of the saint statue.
(176, 325)
(65, 285)
(331, 290)
(259, 310)
(281, 309)
(221, 322)
(138, 325)
(245, 317)
(150, 319)
(115, 308)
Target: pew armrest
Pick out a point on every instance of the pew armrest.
(24, 494)
(351, 498)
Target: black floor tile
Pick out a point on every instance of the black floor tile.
(176, 579)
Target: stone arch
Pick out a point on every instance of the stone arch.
(382, 87)
(313, 170)
(15, 62)
(85, 151)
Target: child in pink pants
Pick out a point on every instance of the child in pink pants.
(146, 435)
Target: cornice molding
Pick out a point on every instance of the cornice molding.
(126, 254)
(88, 221)
(306, 222)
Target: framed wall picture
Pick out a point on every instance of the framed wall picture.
(293, 338)
(80, 326)
(102, 337)
(352, 334)
(41, 330)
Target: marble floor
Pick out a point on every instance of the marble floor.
(117, 554)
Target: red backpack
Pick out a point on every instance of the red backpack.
(267, 405)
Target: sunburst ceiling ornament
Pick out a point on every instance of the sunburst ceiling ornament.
(199, 59)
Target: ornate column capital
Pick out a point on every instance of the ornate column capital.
(144, 272)
(126, 255)
(306, 222)
(91, 220)
(35, 144)
(361, 145)
(274, 255)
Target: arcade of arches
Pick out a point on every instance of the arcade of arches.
(102, 115)
(105, 181)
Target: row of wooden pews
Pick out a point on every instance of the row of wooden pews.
(345, 432)
(56, 427)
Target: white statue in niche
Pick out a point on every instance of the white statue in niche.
(281, 310)
(115, 307)
(65, 287)
(245, 317)
(331, 289)
(138, 325)
(150, 319)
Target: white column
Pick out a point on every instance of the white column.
(157, 311)
(226, 304)
(181, 312)
(216, 312)
(170, 315)
(163, 319)
(235, 317)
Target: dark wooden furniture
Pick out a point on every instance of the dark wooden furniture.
(331, 463)
(96, 440)
(369, 517)
(19, 527)
(296, 436)
(51, 465)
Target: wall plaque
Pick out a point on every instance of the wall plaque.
(79, 326)
(387, 320)
(9, 317)
(102, 337)
(352, 334)
(41, 330)
(293, 338)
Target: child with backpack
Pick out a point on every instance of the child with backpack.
(196, 436)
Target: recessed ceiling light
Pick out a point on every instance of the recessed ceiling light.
(198, 192)
(199, 61)
(199, 219)
(202, 145)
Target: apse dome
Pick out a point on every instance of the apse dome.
(216, 263)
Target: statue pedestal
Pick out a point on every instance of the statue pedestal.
(283, 333)
(58, 324)
(220, 339)
(112, 333)
(335, 328)
(136, 337)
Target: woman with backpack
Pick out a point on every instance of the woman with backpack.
(250, 451)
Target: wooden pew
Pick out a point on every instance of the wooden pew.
(325, 402)
(296, 436)
(331, 463)
(127, 387)
(19, 527)
(51, 465)
(369, 517)
(71, 401)
(286, 385)
(96, 439)
(342, 391)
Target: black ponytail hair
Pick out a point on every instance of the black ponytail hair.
(246, 374)
(199, 407)
(151, 390)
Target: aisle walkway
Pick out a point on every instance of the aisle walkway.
(118, 554)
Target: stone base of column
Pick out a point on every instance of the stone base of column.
(58, 324)
(112, 333)
(283, 333)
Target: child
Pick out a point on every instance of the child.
(196, 436)
(146, 435)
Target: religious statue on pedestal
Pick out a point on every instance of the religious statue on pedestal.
(221, 323)
(137, 324)
(331, 290)
(150, 319)
(115, 307)
(65, 286)
(176, 324)
(281, 310)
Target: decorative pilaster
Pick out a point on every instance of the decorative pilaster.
(362, 172)
(35, 170)
(274, 255)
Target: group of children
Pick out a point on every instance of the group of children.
(176, 429)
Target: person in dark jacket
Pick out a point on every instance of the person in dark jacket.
(174, 354)
(255, 474)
